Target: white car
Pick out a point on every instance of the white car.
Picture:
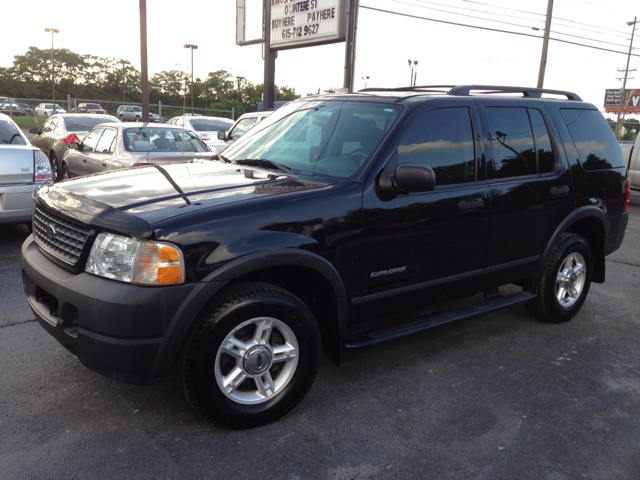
(244, 123)
(48, 109)
(206, 128)
(23, 167)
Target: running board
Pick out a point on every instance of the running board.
(422, 324)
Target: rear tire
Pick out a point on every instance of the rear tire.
(65, 171)
(564, 283)
(251, 356)
(53, 159)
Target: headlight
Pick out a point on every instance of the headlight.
(145, 262)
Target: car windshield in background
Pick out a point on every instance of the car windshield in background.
(209, 125)
(10, 135)
(84, 124)
(329, 138)
(147, 139)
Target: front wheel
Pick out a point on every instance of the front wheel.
(54, 167)
(564, 283)
(251, 356)
(65, 172)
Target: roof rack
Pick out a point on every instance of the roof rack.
(465, 90)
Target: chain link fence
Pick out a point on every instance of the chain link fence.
(25, 113)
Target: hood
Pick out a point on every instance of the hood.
(157, 192)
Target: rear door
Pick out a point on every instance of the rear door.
(530, 187)
(423, 247)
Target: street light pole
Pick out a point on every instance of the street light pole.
(365, 81)
(53, 81)
(239, 78)
(412, 83)
(626, 71)
(124, 62)
(192, 47)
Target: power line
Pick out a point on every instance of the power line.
(493, 30)
(542, 14)
(499, 21)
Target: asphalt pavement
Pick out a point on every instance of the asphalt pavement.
(498, 397)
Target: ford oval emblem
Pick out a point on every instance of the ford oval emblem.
(51, 231)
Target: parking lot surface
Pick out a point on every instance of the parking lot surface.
(499, 397)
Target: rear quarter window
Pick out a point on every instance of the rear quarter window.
(597, 146)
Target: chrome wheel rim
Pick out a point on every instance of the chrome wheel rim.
(256, 360)
(570, 280)
(54, 167)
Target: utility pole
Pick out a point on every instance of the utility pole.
(53, 81)
(350, 46)
(623, 92)
(124, 87)
(192, 47)
(144, 72)
(239, 78)
(545, 44)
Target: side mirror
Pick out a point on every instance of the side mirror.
(405, 178)
(35, 131)
(222, 135)
(74, 146)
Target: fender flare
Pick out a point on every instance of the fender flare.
(578, 214)
(183, 319)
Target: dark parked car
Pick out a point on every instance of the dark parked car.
(339, 221)
(94, 108)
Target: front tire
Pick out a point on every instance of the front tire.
(251, 356)
(65, 172)
(564, 283)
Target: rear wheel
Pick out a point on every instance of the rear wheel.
(54, 167)
(564, 283)
(65, 171)
(251, 356)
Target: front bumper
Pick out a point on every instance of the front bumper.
(127, 332)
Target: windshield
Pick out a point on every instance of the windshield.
(10, 135)
(85, 123)
(210, 124)
(149, 139)
(332, 138)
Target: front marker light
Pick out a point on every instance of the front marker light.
(129, 260)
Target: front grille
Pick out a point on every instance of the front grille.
(69, 238)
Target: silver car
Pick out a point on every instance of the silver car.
(244, 123)
(114, 146)
(205, 127)
(22, 168)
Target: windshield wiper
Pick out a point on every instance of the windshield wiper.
(261, 162)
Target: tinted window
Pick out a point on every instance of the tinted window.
(137, 109)
(90, 142)
(9, 134)
(210, 124)
(597, 145)
(512, 140)
(546, 158)
(84, 124)
(106, 142)
(443, 140)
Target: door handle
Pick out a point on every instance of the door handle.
(471, 205)
(84, 160)
(559, 191)
(104, 164)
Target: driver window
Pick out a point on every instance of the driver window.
(106, 142)
(90, 142)
(443, 140)
(241, 127)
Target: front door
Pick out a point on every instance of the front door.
(423, 247)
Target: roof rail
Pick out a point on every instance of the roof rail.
(527, 92)
(465, 90)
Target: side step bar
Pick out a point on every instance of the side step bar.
(422, 324)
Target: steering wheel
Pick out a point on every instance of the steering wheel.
(358, 156)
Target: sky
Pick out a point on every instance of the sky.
(446, 53)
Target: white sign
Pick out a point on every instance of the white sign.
(301, 23)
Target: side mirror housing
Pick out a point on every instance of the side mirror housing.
(35, 131)
(222, 135)
(405, 178)
(74, 146)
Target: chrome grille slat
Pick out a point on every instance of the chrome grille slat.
(70, 237)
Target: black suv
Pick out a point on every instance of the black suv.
(340, 221)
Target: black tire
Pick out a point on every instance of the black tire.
(65, 172)
(57, 174)
(557, 302)
(238, 314)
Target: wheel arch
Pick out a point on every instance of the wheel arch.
(322, 291)
(591, 223)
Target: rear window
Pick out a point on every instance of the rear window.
(84, 124)
(148, 139)
(597, 146)
(210, 125)
(10, 135)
